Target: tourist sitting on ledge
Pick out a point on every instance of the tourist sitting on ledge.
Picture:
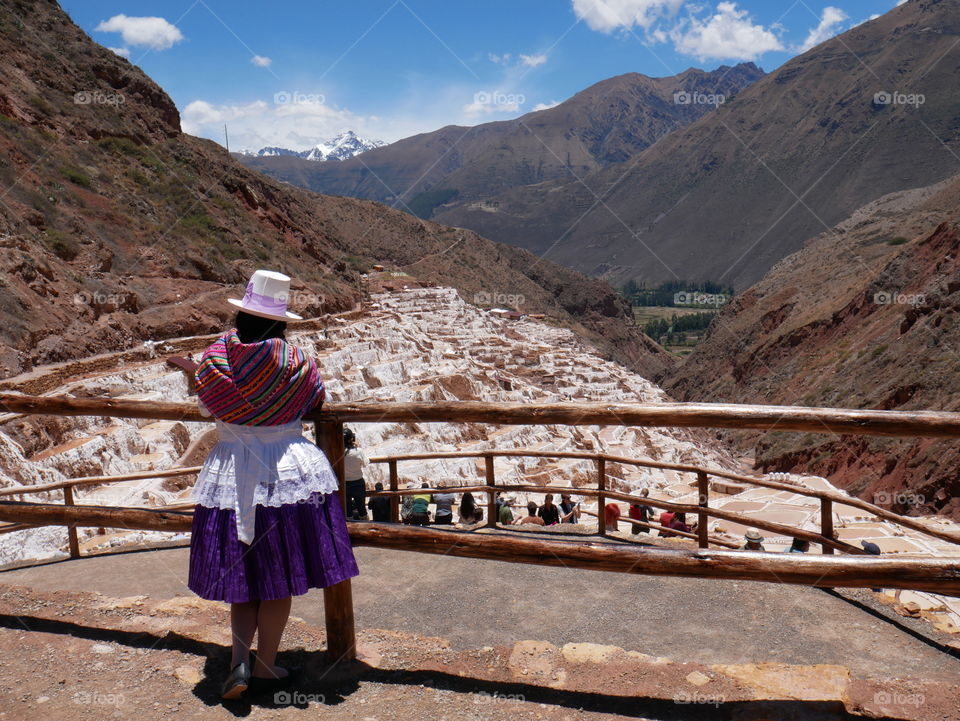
(420, 510)
(532, 516)
(611, 516)
(470, 512)
(569, 511)
(406, 508)
(444, 513)
(799, 546)
(380, 506)
(676, 522)
(640, 512)
(754, 541)
(666, 518)
(548, 512)
(505, 515)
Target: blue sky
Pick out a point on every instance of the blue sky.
(295, 72)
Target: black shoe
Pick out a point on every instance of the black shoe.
(237, 682)
(262, 685)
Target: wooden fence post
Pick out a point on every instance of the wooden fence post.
(337, 599)
(703, 520)
(72, 538)
(826, 523)
(491, 494)
(601, 499)
(394, 486)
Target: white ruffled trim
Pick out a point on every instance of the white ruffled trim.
(261, 466)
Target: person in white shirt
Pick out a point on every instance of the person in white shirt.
(353, 463)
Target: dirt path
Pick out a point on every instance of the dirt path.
(475, 603)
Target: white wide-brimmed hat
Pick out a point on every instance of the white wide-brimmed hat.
(266, 296)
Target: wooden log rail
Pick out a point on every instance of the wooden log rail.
(100, 481)
(938, 575)
(930, 424)
(934, 575)
(826, 498)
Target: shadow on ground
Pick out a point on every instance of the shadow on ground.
(317, 682)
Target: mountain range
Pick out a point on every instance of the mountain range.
(343, 146)
(647, 179)
(116, 228)
(604, 124)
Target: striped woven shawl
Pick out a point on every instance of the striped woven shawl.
(257, 384)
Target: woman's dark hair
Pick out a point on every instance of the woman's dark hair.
(253, 328)
(467, 505)
(349, 439)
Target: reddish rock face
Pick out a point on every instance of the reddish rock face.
(864, 317)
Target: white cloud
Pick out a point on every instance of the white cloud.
(545, 106)
(260, 61)
(122, 52)
(729, 34)
(533, 60)
(608, 15)
(151, 32)
(295, 124)
(499, 59)
(489, 102)
(830, 21)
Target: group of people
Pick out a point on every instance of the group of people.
(546, 514)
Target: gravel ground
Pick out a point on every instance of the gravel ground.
(476, 603)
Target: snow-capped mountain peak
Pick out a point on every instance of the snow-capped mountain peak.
(343, 146)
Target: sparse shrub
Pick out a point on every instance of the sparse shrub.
(75, 176)
(119, 145)
(200, 222)
(62, 244)
(899, 240)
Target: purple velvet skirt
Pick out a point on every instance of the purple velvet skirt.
(296, 547)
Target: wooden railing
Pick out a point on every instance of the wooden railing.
(73, 540)
(702, 508)
(938, 575)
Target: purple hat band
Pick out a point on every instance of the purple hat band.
(263, 303)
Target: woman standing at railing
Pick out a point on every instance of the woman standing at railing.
(267, 525)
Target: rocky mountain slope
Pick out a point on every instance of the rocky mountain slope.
(865, 316)
(867, 113)
(603, 124)
(117, 228)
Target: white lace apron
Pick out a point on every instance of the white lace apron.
(261, 466)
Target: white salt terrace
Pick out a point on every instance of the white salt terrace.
(429, 345)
